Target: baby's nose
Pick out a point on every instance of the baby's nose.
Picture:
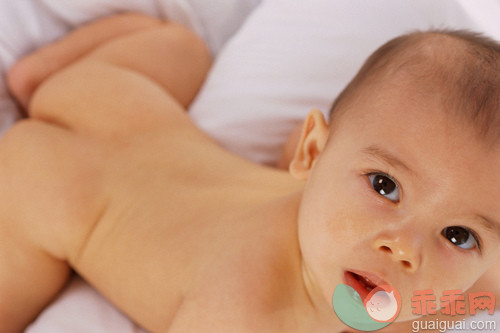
(401, 250)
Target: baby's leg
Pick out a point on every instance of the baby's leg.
(31, 272)
(29, 72)
(169, 59)
(29, 279)
(162, 51)
(49, 200)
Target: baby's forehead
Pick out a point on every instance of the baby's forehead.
(462, 74)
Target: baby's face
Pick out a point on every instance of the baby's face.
(402, 192)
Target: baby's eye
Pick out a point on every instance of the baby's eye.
(385, 186)
(461, 237)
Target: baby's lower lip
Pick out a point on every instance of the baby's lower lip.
(360, 283)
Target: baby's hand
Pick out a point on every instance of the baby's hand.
(28, 73)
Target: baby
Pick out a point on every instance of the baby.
(109, 177)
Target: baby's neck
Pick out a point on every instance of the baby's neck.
(293, 293)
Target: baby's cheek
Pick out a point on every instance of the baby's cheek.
(447, 268)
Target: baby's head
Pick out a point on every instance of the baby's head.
(460, 68)
(404, 184)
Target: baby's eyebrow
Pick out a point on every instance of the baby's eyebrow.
(490, 225)
(382, 154)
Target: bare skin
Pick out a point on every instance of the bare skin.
(109, 176)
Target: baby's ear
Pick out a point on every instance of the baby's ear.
(312, 141)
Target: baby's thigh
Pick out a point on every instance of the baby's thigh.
(49, 185)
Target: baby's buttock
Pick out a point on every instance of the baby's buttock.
(51, 184)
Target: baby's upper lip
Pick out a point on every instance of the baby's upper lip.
(370, 276)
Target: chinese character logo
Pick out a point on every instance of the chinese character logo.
(378, 309)
(453, 302)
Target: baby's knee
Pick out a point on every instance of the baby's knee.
(23, 78)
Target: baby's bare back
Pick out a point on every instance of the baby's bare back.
(171, 208)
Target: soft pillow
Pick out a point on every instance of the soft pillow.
(294, 55)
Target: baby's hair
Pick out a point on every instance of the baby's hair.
(462, 66)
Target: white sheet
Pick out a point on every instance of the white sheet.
(81, 309)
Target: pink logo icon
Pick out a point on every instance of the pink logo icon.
(383, 303)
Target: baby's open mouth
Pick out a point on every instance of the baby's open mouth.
(361, 283)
